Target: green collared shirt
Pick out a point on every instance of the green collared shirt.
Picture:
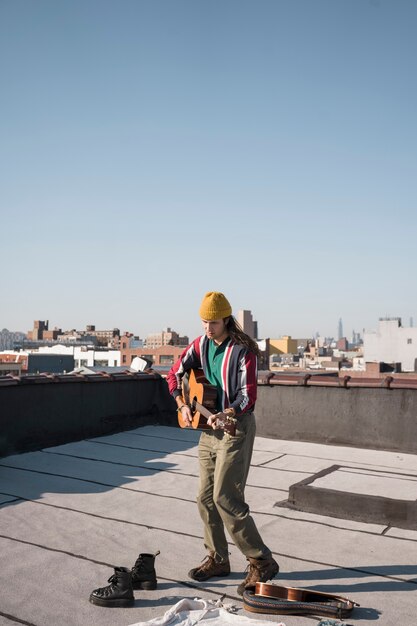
(214, 368)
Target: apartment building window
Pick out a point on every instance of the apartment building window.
(124, 358)
(166, 359)
(409, 341)
(151, 357)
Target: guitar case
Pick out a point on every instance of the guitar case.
(274, 599)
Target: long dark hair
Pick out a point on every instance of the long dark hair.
(235, 332)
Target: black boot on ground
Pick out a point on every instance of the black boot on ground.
(118, 593)
(143, 572)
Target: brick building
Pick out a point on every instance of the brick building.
(167, 337)
(41, 332)
(247, 323)
(13, 363)
(163, 355)
(104, 338)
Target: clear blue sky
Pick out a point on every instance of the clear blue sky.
(153, 150)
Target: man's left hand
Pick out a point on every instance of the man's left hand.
(217, 421)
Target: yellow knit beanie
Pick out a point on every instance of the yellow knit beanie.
(215, 306)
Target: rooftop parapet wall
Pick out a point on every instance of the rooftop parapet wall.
(47, 410)
(374, 413)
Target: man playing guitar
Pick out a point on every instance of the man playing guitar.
(228, 358)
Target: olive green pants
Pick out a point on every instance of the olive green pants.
(224, 468)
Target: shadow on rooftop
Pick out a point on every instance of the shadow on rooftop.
(359, 572)
(98, 466)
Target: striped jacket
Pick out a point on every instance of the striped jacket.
(239, 373)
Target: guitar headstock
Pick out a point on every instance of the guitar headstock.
(228, 425)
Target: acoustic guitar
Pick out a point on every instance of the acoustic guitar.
(277, 599)
(201, 396)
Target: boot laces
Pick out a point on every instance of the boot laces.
(139, 562)
(253, 575)
(105, 591)
(206, 563)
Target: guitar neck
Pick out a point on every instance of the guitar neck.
(202, 409)
(225, 425)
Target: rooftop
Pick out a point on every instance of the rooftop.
(68, 514)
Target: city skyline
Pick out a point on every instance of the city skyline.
(353, 334)
(349, 330)
(154, 151)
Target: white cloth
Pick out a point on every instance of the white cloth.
(198, 611)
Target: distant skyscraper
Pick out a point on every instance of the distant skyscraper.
(340, 331)
(411, 322)
(246, 321)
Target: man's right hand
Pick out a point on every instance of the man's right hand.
(186, 415)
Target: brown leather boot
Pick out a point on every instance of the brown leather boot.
(209, 568)
(260, 570)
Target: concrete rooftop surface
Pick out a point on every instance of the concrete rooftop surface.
(69, 514)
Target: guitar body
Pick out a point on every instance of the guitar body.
(202, 392)
(293, 594)
(279, 600)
